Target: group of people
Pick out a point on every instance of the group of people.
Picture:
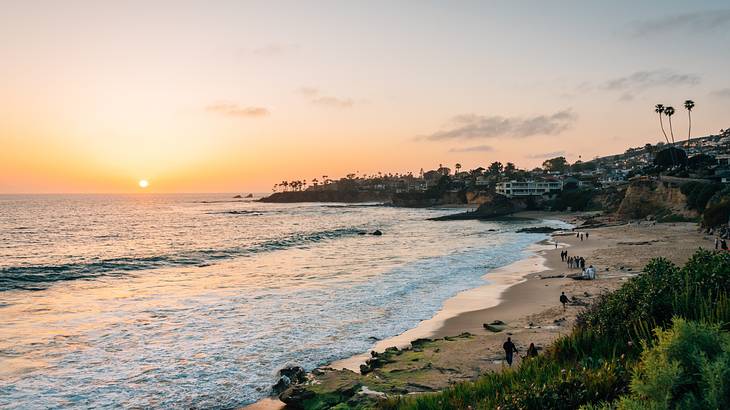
(510, 349)
(581, 235)
(578, 262)
(720, 244)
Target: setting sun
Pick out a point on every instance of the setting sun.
(143, 183)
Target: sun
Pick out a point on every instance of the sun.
(143, 183)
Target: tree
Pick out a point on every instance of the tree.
(669, 111)
(495, 168)
(457, 167)
(659, 109)
(689, 104)
(558, 164)
(509, 169)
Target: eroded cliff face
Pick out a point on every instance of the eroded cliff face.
(479, 197)
(646, 197)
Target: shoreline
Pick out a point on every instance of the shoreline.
(524, 295)
(442, 323)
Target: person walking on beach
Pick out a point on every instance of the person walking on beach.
(563, 299)
(509, 350)
(532, 350)
(581, 237)
(586, 235)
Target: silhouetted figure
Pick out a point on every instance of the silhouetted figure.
(532, 350)
(586, 235)
(717, 243)
(563, 299)
(509, 350)
(723, 245)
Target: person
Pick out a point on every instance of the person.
(509, 349)
(717, 243)
(590, 273)
(723, 245)
(556, 244)
(577, 235)
(563, 299)
(570, 262)
(581, 236)
(582, 263)
(586, 235)
(532, 350)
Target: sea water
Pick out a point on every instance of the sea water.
(198, 300)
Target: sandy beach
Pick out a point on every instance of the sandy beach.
(525, 296)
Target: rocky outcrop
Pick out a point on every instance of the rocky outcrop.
(328, 196)
(498, 206)
(647, 197)
(538, 229)
(427, 199)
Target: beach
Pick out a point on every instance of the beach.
(525, 297)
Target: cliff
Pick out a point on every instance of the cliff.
(328, 196)
(650, 197)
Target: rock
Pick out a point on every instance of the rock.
(237, 197)
(499, 206)
(377, 232)
(497, 322)
(249, 196)
(288, 376)
(538, 229)
(493, 328)
(295, 395)
(362, 233)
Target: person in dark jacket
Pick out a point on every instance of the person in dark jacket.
(563, 299)
(509, 350)
(532, 350)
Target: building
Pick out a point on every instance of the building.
(529, 188)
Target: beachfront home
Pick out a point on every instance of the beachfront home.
(529, 188)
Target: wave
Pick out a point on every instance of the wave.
(39, 277)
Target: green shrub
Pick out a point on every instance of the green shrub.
(716, 214)
(689, 367)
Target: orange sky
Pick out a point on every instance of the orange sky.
(235, 97)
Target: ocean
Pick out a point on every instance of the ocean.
(111, 301)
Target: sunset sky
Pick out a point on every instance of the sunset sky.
(234, 96)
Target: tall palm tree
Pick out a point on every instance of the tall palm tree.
(659, 109)
(689, 104)
(457, 167)
(669, 111)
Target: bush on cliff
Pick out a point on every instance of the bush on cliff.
(579, 200)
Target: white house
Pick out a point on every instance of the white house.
(528, 188)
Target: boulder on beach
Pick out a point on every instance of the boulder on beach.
(499, 206)
(377, 232)
(288, 376)
(537, 229)
(237, 197)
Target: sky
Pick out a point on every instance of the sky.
(235, 96)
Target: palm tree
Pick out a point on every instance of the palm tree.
(689, 104)
(659, 109)
(457, 167)
(669, 111)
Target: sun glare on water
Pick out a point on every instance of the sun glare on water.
(143, 183)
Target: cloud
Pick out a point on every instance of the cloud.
(477, 148)
(546, 155)
(701, 21)
(472, 126)
(315, 97)
(270, 50)
(722, 93)
(235, 110)
(642, 80)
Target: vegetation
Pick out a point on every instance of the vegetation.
(699, 193)
(578, 200)
(660, 341)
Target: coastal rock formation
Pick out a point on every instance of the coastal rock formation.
(646, 197)
(538, 229)
(498, 206)
(327, 196)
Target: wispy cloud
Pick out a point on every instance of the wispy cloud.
(721, 93)
(269, 50)
(546, 155)
(316, 97)
(235, 110)
(477, 148)
(642, 80)
(701, 21)
(472, 126)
